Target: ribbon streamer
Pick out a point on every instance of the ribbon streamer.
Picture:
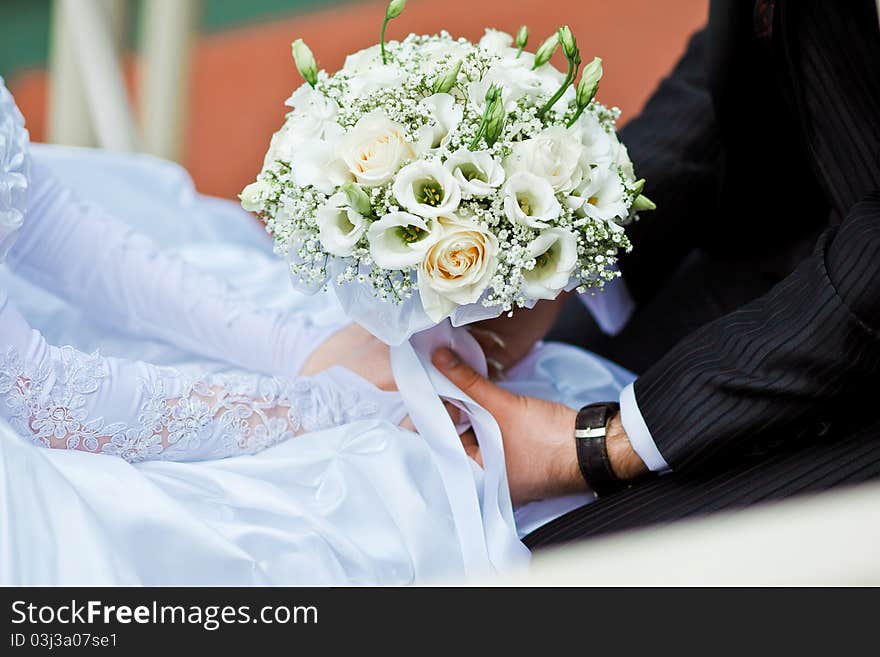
(481, 506)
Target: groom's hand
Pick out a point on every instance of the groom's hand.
(538, 435)
(507, 340)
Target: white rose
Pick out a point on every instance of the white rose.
(399, 239)
(496, 42)
(447, 114)
(316, 163)
(529, 200)
(601, 196)
(477, 172)
(427, 189)
(254, 195)
(374, 149)
(340, 227)
(554, 154)
(555, 254)
(457, 268)
(313, 116)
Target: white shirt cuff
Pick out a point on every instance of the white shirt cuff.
(638, 433)
(612, 307)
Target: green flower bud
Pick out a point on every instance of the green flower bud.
(638, 186)
(305, 61)
(492, 95)
(589, 83)
(643, 204)
(395, 8)
(569, 45)
(522, 37)
(358, 198)
(495, 125)
(546, 50)
(444, 83)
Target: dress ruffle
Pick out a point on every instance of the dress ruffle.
(14, 170)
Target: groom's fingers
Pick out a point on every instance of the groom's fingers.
(471, 446)
(481, 390)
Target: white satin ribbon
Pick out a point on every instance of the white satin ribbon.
(481, 506)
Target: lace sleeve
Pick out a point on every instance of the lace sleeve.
(63, 398)
(121, 278)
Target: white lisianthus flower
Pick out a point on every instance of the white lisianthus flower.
(555, 255)
(313, 116)
(622, 161)
(496, 42)
(280, 146)
(447, 114)
(553, 154)
(362, 61)
(399, 239)
(374, 149)
(377, 77)
(316, 163)
(254, 195)
(601, 196)
(457, 268)
(519, 80)
(529, 200)
(366, 72)
(597, 143)
(427, 189)
(443, 49)
(340, 226)
(477, 172)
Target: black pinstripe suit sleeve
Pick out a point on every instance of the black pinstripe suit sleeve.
(679, 159)
(801, 355)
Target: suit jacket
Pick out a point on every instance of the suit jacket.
(767, 130)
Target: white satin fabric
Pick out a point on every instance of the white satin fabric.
(364, 503)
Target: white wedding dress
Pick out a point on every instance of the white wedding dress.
(187, 450)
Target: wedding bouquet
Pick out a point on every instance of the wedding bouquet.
(446, 178)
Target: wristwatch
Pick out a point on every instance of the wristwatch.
(589, 436)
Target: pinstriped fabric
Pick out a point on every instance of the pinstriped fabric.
(737, 406)
(782, 365)
(836, 57)
(794, 358)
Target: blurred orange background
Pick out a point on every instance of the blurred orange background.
(241, 77)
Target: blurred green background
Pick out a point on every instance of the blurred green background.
(24, 35)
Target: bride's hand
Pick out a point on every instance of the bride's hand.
(507, 340)
(355, 349)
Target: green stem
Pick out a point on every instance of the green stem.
(382, 39)
(577, 115)
(519, 51)
(476, 142)
(573, 66)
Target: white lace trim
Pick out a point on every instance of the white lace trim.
(213, 417)
(14, 169)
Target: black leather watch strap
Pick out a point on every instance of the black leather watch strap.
(592, 452)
